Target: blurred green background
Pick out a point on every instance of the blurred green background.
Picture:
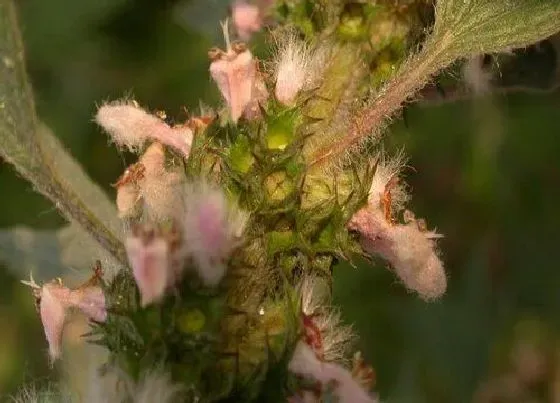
(486, 174)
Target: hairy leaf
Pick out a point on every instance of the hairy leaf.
(487, 26)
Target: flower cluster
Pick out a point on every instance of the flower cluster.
(226, 220)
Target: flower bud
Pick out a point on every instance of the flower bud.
(291, 69)
(128, 193)
(410, 251)
(53, 305)
(409, 247)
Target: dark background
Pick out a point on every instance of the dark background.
(486, 174)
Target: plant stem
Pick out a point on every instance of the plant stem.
(36, 153)
(413, 75)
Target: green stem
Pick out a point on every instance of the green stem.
(414, 74)
(38, 156)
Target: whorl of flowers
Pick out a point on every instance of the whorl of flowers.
(229, 234)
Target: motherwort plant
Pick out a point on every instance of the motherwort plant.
(216, 265)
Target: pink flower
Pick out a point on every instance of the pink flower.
(151, 183)
(54, 300)
(91, 301)
(211, 229)
(409, 247)
(53, 305)
(247, 19)
(159, 188)
(131, 126)
(235, 73)
(148, 254)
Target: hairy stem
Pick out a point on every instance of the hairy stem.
(36, 153)
(412, 77)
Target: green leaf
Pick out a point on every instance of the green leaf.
(473, 27)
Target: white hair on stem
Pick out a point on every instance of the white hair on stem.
(47, 394)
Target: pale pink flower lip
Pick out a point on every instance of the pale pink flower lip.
(148, 255)
(212, 227)
(235, 72)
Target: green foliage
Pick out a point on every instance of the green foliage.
(473, 27)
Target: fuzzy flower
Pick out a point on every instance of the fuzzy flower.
(409, 247)
(131, 126)
(148, 254)
(54, 300)
(291, 69)
(149, 182)
(296, 67)
(128, 192)
(304, 362)
(211, 230)
(235, 73)
(159, 188)
(247, 19)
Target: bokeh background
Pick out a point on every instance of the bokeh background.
(486, 173)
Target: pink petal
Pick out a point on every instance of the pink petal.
(149, 258)
(235, 73)
(54, 302)
(91, 301)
